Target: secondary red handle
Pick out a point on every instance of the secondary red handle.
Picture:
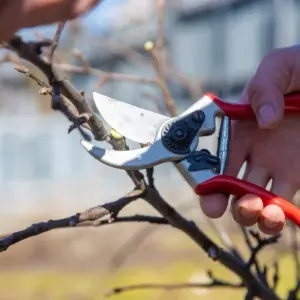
(244, 111)
(237, 187)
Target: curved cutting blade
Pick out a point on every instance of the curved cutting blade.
(135, 123)
(137, 159)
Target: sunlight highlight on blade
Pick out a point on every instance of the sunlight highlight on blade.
(137, 124)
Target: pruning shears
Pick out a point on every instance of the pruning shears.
(180, 140)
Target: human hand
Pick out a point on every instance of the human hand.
(270, 154)
(17, 14)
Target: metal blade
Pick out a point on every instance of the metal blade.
(135, 123)
(137, 159)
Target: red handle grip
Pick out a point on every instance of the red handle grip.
(237, 187)
(244, 111)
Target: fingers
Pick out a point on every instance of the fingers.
(29, 13)
(267, 101)
(265, 91)
(276, 75)
(38, 12)
(214, 206)
(272, 218)
(247, 210)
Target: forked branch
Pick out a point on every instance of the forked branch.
(62, 91)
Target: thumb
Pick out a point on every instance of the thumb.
(267, 101)
(272, 80)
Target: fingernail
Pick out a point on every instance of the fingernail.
(267, 115)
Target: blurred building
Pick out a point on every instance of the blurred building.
(223, 41)
(219, 43)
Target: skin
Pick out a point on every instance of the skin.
(270, 144)
(17, 14)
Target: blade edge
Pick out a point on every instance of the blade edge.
(135, 123)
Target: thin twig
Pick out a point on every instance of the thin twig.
(150, 177)
(92, 216)
(151, 286)
(87, 68)
(104, 75)
(61, 87)
(276, 275)
(261, 243)
(25, 51)
(130, 219)
(157, 53)
(141, 235)
(225, 239)
(204, 242)
(160, 6)
(163, 85)
(65, 105)
(250, 247)
(56, 38)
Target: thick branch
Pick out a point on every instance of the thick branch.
(54, 77)
(58, 85)
(66, 106)
(227, 259)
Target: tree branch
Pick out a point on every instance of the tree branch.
(62, 92)
(91, 217)
(261, 243)
(168, 287)
(65, 105)
(55, 41)
(42, 227)
(214, 252)
(25, 51)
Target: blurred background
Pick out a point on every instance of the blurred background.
(212, 45)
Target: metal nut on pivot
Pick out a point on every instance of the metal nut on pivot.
(197, 117)
(179, 135)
